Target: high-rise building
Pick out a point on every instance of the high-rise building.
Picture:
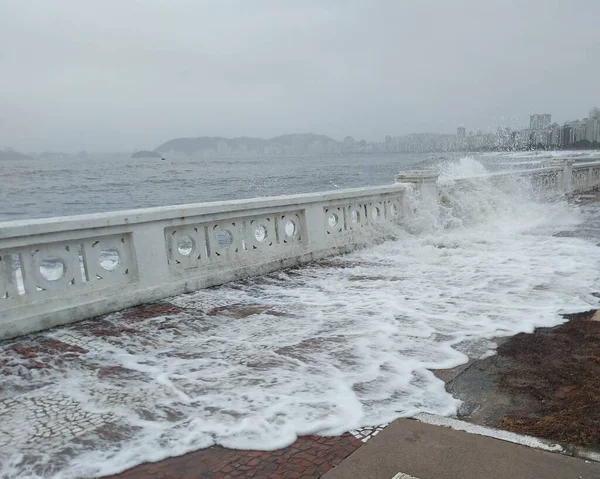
(554, 134)
(539, 121)
(580, 128)
(566, 135)
(574, 131)
(592, 132)
(595, 113)
(461, 132)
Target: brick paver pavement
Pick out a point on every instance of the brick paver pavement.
(308, 457)
(43, 418)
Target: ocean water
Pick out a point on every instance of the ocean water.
(42, 188)
(334, 346)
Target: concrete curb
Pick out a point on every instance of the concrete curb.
(529, 441)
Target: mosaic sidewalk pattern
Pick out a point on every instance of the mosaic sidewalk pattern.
(367, 433)
(34, 417)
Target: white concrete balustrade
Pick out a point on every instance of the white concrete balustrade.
(61, 270)
(556, 177)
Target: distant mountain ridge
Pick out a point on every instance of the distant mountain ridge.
(146, 154)
(282, 144)
(10, 154)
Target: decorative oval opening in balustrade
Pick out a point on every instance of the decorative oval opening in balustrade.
(290, 228)
(393, 210)
(354, 216)
(260, 233)
(224, 238)
(375, 213)
(333, 220)
(53, 269)
(185, 245)
(110, 259)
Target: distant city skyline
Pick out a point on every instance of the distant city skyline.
(542, 132)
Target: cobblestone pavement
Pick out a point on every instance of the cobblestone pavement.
(49, 423)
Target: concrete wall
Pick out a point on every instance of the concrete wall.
(585, 177)
(555, 177)
(61, 270)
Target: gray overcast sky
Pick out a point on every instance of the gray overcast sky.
(109, 75)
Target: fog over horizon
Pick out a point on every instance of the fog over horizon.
(120, 75)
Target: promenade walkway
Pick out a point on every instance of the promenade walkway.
(413, 450)
(406, 449)
(332, 345)
(35, 418)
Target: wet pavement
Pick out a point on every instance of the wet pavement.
(411, 449)
(308, 457)
(34, 416)
(545, 384)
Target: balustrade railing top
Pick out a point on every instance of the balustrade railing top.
(10, 229)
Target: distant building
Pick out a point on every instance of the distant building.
(592, 130)
(461, 132)
(554, 137)
(573, 131)
(349, 144)
(539, 121)
(566, 135)
(580, 128)
(525, 138)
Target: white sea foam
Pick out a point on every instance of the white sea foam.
(338, 346)
(541, 154)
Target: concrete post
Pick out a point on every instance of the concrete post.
(315, 226)
(568, 176)
(567, 172)
(426, 188)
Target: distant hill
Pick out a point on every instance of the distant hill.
(146, 154)
(295, 144)
(10, 154)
